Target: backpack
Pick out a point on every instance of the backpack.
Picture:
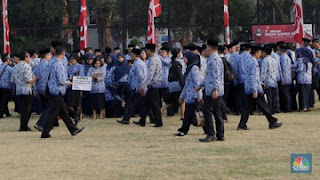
(228, 73)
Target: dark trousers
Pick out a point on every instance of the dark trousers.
(294, 92)
(4, 100)
(304, 96)
(57, 107)
(189, 117)
(163, 92)
(249, 103)
(152, 103)
(318, 92)
(114, 109)
(285, 97)
(224, 110)
(273, 99)
(210, 107)
(239, 96)
(132, 106)
(44, 102)
(26, 107)
(228, 95)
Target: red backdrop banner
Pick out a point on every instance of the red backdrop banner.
(274, 33)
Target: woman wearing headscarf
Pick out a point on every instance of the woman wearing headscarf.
(98, 74)
(304, 77)
(176, 83)
(88, 62)
(110, 99)
(192, 78)
(119, 75)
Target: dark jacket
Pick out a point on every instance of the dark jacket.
(175, 73)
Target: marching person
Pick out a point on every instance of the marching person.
(269, 72)
(5, 84)
(191, 98)
(240, 74)
(98, 75)
(254, 94)
(214, 91)
(42, 72)
(137, 77)
(23, 78)
(176, 84)
(57, 88)
(151, 87)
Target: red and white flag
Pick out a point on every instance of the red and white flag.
(83, 25)
(226, 21)
(154, 11)
(298, 33)
(6, 29)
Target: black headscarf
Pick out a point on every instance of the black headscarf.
(122, 69)
(307, 55)
(193, 60)
(113, 61)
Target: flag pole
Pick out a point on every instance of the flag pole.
(226, 22)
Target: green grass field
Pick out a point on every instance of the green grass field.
(107, 150)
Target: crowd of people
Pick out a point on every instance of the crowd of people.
(216, 80)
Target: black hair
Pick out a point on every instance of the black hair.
(60, 50)
(97, 58)
(254, 51)
(107, 50)
(175, 53)
(5, 57)
(23, 55)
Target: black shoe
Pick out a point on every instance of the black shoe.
(25, 130)
(181, 134)
(152, 122)
(208, 139)
(1, 117)
(139, 123)
(182, 119)
(77, 131)
(241, 128)
(158, 125)
(275, 125)
(123, 122)
(221, 139)
(8, 115)
(46, 136)
(37, 127)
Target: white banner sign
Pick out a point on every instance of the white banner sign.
(81, 83)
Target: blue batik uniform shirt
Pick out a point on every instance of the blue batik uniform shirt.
(21, 76)
(214, 79)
